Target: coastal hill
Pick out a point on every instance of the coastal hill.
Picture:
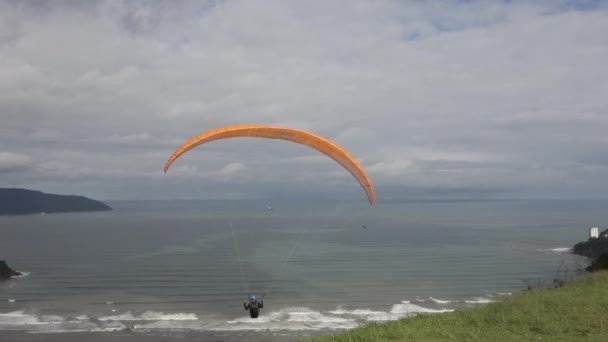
(23, 201)
(7, 272)
(593, 247)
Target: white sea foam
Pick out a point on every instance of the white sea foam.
(12, 313)
(285, 319)
(150, 316)
(112, 326)
(556, 250)
(442, 301)
(292, 319)
(76, 330)
(397, 311)
(23, 274)
(356, 312)
(315, 316)
(476, 300)
(367, 314)
(80, 327)
(11, 300)
(408, 308)
(171, 325)
(18, 318)
(52, 318)
(479, 300)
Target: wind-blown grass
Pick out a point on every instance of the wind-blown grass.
(578, 311)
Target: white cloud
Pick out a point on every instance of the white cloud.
(437, 95)
(232, 169)
(14, 162)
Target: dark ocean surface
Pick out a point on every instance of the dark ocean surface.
(170, 268)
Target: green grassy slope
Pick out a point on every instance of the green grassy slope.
(578, 311)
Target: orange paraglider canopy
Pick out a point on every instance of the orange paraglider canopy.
(309, 139)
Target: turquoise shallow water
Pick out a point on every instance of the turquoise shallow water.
(172, 268)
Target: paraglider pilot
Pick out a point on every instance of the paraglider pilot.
(254, 306)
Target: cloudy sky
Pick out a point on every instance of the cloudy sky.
(443, 99)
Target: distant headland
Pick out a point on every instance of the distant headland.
(7, 272)
(23, 201)
(594, 247)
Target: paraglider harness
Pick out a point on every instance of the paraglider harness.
(254, 306)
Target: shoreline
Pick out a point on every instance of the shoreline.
(21, 336)
(241, 329)
(572, 312)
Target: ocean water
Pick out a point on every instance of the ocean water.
(171, 268)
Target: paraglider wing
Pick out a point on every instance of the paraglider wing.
(309, 139)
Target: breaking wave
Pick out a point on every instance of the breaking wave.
(285, 319)
(23, 274)
(557, 250)
(476, 300)
(150, 316)
(441, 301)
(479, 300)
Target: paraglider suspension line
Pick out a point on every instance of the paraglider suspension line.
(236, 247)
(284, 264)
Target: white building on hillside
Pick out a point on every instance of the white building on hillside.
(594, 233)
